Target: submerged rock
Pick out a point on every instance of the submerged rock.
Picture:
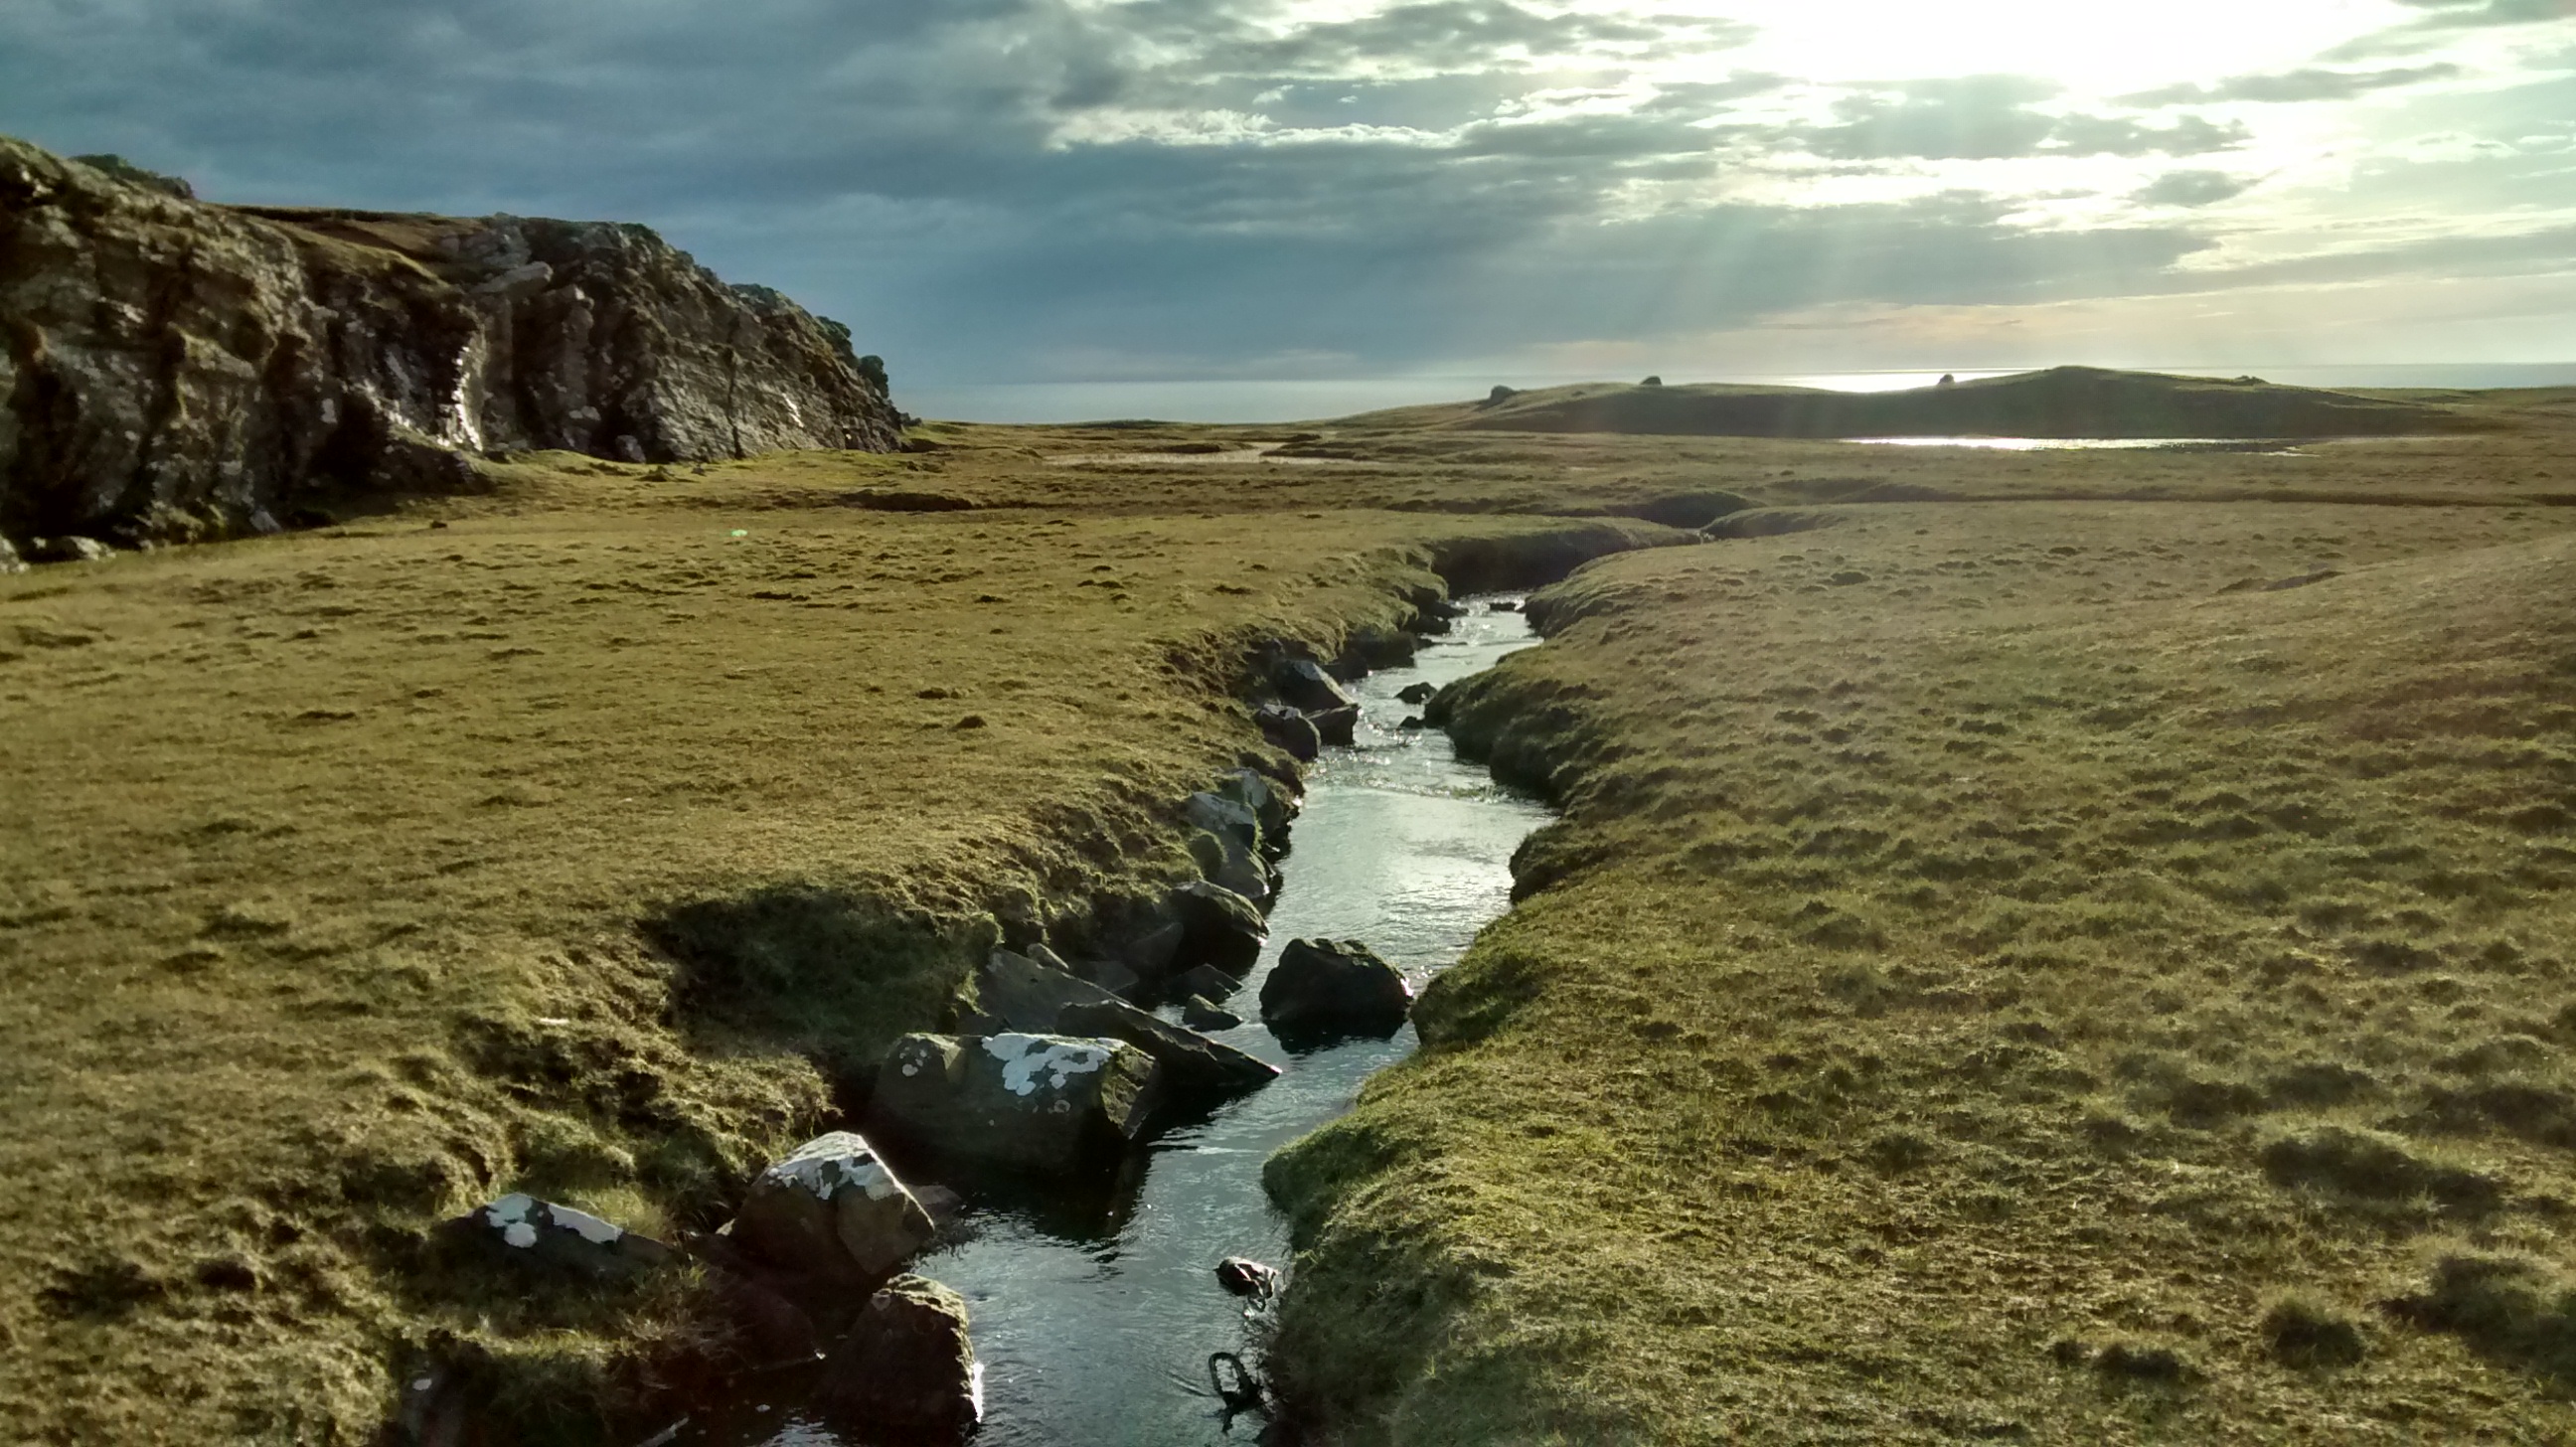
(832, 1209)
(1416, 693)
(528, 1231)
(1206, 980)
(1242, 1276)
(1039, 1102)
(1330, 987)
(1201, 1013)
(1290, 731)
(908, 1366)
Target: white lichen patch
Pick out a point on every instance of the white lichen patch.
(585, 1225)
(1025, 1058)
(824, 1165)
(509, 1216)
(518, 1215)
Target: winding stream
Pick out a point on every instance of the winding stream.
(1094, 1315)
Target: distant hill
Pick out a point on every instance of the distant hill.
(2059, 402)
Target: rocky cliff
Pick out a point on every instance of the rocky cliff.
(174, 369)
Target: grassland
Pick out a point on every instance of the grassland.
(2044, 969)
(580, 838)
(581, 835)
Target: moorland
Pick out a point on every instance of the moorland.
(2046, 945)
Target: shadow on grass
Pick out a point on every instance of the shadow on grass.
(2507, 1310)
(828, 974)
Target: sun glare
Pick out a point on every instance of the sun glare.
(2100, 49)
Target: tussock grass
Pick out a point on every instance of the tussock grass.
(589, 842)
(1991, 979)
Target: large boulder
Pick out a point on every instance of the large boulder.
(1017, 993)
(1228, 819)
(1219, 927)
(526, 1231)
(1333, 987)
(833, 1209)
(1270, 801)
(1307, 685)
(1230, 864)
(185, 370)
(1014, 992)
(1337, 725)
(1292, 732)
(907, 1369)
(1197, 1071)
(1037, 1102)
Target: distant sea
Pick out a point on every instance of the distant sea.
(1259, 401)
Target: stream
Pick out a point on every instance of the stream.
(1094, 1310)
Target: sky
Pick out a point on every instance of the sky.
(1192, 194)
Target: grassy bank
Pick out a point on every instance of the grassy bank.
(2050, 971)
(571, 838)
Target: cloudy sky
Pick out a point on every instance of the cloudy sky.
(1152, 191)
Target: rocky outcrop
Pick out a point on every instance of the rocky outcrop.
(171, 369)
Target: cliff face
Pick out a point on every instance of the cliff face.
(173, 369)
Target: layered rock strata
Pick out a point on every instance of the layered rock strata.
(171, 369)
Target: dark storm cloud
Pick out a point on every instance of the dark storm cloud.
(2310, 84)
(1453, 35)
(1992, 118)
(1006, 189)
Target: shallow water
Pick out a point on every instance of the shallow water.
(1094, 1312)
(2087, 444)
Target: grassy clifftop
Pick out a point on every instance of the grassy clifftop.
(2059, 402)
(2047, 972)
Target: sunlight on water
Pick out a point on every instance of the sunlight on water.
(1094, 1314)
(2055, 444)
